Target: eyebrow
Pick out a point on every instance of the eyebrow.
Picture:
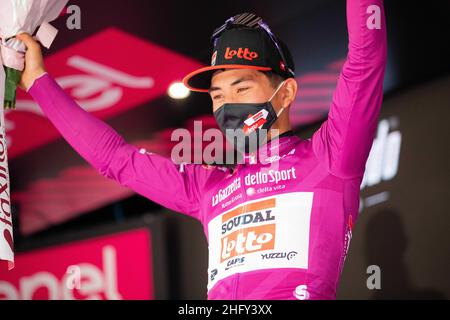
(242, 79)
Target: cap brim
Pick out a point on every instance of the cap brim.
(200, 80)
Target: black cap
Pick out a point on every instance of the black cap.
(243, 47)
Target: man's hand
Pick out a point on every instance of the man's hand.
(34, 62)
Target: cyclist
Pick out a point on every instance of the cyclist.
(278, 233)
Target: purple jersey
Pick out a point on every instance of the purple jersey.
(278, 229)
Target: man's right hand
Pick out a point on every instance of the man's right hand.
(34, 62)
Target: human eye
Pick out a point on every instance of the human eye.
(243, 89)
(217, 97)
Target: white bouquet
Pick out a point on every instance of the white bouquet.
(17, 16)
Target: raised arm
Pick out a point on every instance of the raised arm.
(344, 140)
(151, 175)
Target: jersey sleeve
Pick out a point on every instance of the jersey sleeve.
(344, 140)
(155, 177)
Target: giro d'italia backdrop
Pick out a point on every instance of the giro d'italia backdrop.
(118, 64)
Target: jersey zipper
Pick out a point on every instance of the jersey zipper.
(236, 283)
(245, 197)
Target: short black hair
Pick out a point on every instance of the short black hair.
(274, 78)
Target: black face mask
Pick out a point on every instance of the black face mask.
(246, 125)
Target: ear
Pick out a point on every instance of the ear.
(289, 92)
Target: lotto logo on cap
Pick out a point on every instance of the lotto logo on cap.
(241, 53)
(246, 43)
